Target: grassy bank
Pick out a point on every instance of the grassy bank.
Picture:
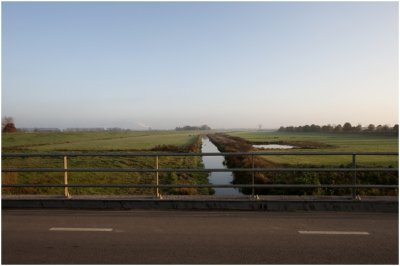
(143, 141)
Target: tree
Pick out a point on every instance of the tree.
(315, 128)
(7, 125)
(385, 128)
(6, 120)
(205, 127)
(338, 128)
(347, 127)
(371, 127)
(306, 128)
(327, 128)
(290, 129)
(396, 128)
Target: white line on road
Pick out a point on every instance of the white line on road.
(76, 229)
(333, 233)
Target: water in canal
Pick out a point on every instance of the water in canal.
(217, 178)
(273, 146)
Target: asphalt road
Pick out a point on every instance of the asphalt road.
(197, 237)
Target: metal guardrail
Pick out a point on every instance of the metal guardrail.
(353, 169)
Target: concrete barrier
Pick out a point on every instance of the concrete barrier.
(264, 203)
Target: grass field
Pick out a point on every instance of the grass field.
(143, 141)
(149, 141)
(338, 143)
(321, 142)
(94, 141)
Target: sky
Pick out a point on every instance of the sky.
(225, 64)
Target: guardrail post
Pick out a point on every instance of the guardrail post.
(158, 195)
(353, 190)
(66, 192)
(253, 192)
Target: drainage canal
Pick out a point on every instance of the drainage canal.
(217, 178)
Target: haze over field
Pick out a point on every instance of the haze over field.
(162, 65)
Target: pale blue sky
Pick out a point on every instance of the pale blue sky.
(227, 64)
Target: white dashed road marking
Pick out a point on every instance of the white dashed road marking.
(333, 233)
(77, 229)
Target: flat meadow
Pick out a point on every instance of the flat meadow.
(307, 142)
(82, 142)
(93, 141)
(325, 142)
(180, 141)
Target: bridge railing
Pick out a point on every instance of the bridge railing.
(157, 170)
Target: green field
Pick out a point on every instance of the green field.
(338, 143)
(143, 141)
(183, 141)
(94, 141)
(323, 142)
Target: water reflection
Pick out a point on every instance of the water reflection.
(217, 178)
(273, 146)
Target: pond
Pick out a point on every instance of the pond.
(273, 146)
(217, 178)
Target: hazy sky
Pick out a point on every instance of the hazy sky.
(226, 64)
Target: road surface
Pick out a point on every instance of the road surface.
(198, 237)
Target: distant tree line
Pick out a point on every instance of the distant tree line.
(203, 127)
(346, 128)
(8, 126)
(83, 129)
